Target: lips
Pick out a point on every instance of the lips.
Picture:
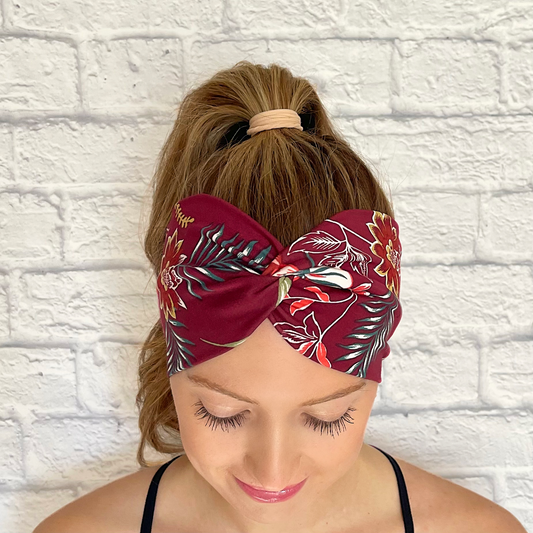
(270, 496)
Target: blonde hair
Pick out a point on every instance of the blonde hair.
(288, 180)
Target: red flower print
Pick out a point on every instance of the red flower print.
(277, 268)
(388, 248)
(168, 280)
(305, 337)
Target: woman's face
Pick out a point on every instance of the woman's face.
(276, 441)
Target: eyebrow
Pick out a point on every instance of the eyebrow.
(204, 382)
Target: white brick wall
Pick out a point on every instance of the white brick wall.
(436, 95)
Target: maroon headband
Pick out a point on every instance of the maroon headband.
(332, 294)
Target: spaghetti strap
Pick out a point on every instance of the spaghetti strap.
(149, 504)
(404, 498)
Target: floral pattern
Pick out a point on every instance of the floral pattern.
(388, 248)
(319, 286)
(168, 280)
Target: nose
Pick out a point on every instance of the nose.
(274, 472)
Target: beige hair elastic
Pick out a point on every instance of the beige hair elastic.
(274, 118)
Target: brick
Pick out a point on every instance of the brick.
(6, 155)
(11, 466)
(108, 378)
(78, 15)
(430, 439)
(510, 373)
(520, 72)
(203, 15)
(92, 302)
(520, 490)
(134, 72)
(23, 510)
(449, 15)
(472, 295)
(106, 226)
(80, 449)
(436, 225)
(42, 378)
(30, 227)
(71, 152)
(508, 229)
(460, 154)
(37, 74)
(446, 73)
(446, 365)
(281, 15)
(4, 308)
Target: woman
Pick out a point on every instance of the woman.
(270, 436)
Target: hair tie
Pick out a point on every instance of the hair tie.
(274, 118)
(245, 129)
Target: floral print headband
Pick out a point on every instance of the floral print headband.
(333, 294)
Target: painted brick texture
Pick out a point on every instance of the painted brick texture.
(436, 96)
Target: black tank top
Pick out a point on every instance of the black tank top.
(149, 506)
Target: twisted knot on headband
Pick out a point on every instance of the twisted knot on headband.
(267, 120)
(332, 294)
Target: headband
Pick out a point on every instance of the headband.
(332, 294)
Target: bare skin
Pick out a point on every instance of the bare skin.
(383, 515)
(437, 505)
(274, 446)
(350, 487)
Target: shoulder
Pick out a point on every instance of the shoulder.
(441, 506)
(117, 506)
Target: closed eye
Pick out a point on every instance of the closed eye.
(225, 423)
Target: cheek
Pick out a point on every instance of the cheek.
(345, 446)
(211, 453)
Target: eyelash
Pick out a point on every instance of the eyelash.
(232, 421)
